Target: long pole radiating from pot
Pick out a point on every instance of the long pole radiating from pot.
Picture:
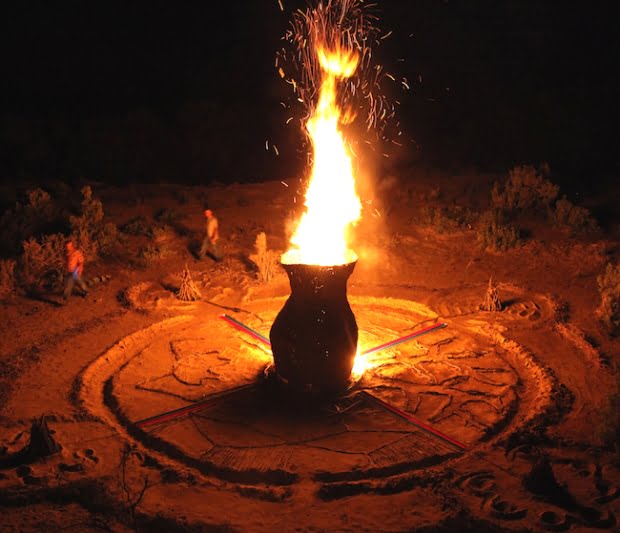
(410, 336)
(246, 329)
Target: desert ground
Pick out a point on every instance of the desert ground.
(526, 392)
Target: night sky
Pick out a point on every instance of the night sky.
(188, 92)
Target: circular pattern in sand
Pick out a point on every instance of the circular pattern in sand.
(461, 380)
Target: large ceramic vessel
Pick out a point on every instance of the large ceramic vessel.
(314, 337)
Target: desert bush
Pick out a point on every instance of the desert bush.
(92, 234)
(163, 234)
(42, 263)
(168, 216)
(138, 226)
(147, 254)
(40, 205)
(107, 238)
(152, 252)
(576, 219)
(434, 193)
(495, 235)
(609, 288)
(160, 247)
(526, 188)
(183, 196)
(243, 200)
(266, 260)
(28, 219)
(7, 277)
(446, 219)
(610, 427)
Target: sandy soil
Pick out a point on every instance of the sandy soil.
(525, 390)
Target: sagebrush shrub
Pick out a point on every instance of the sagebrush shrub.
(183, 196)
(168, 216)
(610, 427)
(575, 219)
(163, 234)
(28, 219)
(7, 277)
(42, 262)
(495, 235)
(609, 289)
(526, 188)
(92, 234)
(152, 252)
(445, 219)
(138, 226)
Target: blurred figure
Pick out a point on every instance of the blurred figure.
(75, 267)
(210, 243)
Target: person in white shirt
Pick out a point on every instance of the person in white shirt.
(210, 243)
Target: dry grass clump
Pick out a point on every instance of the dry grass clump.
(188, 291)
(266, 260)
(7, 277)
(575, 219)
(491, 302)
(609, 288)
(526, 188)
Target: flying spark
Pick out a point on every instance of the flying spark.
(339, 25)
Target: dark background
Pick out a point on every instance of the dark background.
(187, 91)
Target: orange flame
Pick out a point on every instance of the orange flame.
(332, 205)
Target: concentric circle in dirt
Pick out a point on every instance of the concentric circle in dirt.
(461, 380)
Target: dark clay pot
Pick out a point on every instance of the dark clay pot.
(314, 337)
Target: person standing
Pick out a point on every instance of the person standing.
(75, 267)
(210, 243)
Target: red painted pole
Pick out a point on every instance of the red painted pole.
(406, 338)
(414, 421)
(246, 329)
(177, 413)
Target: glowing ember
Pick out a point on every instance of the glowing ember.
(332, 205)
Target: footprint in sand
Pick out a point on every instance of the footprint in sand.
(27, 476)
(525, 309)
(86, 456)
(482, 484)
(504, 510)
(75, 467)
(554, 521)
(608, 493)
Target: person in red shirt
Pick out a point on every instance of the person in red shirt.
(75, 267)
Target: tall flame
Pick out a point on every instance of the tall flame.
(332, 204)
